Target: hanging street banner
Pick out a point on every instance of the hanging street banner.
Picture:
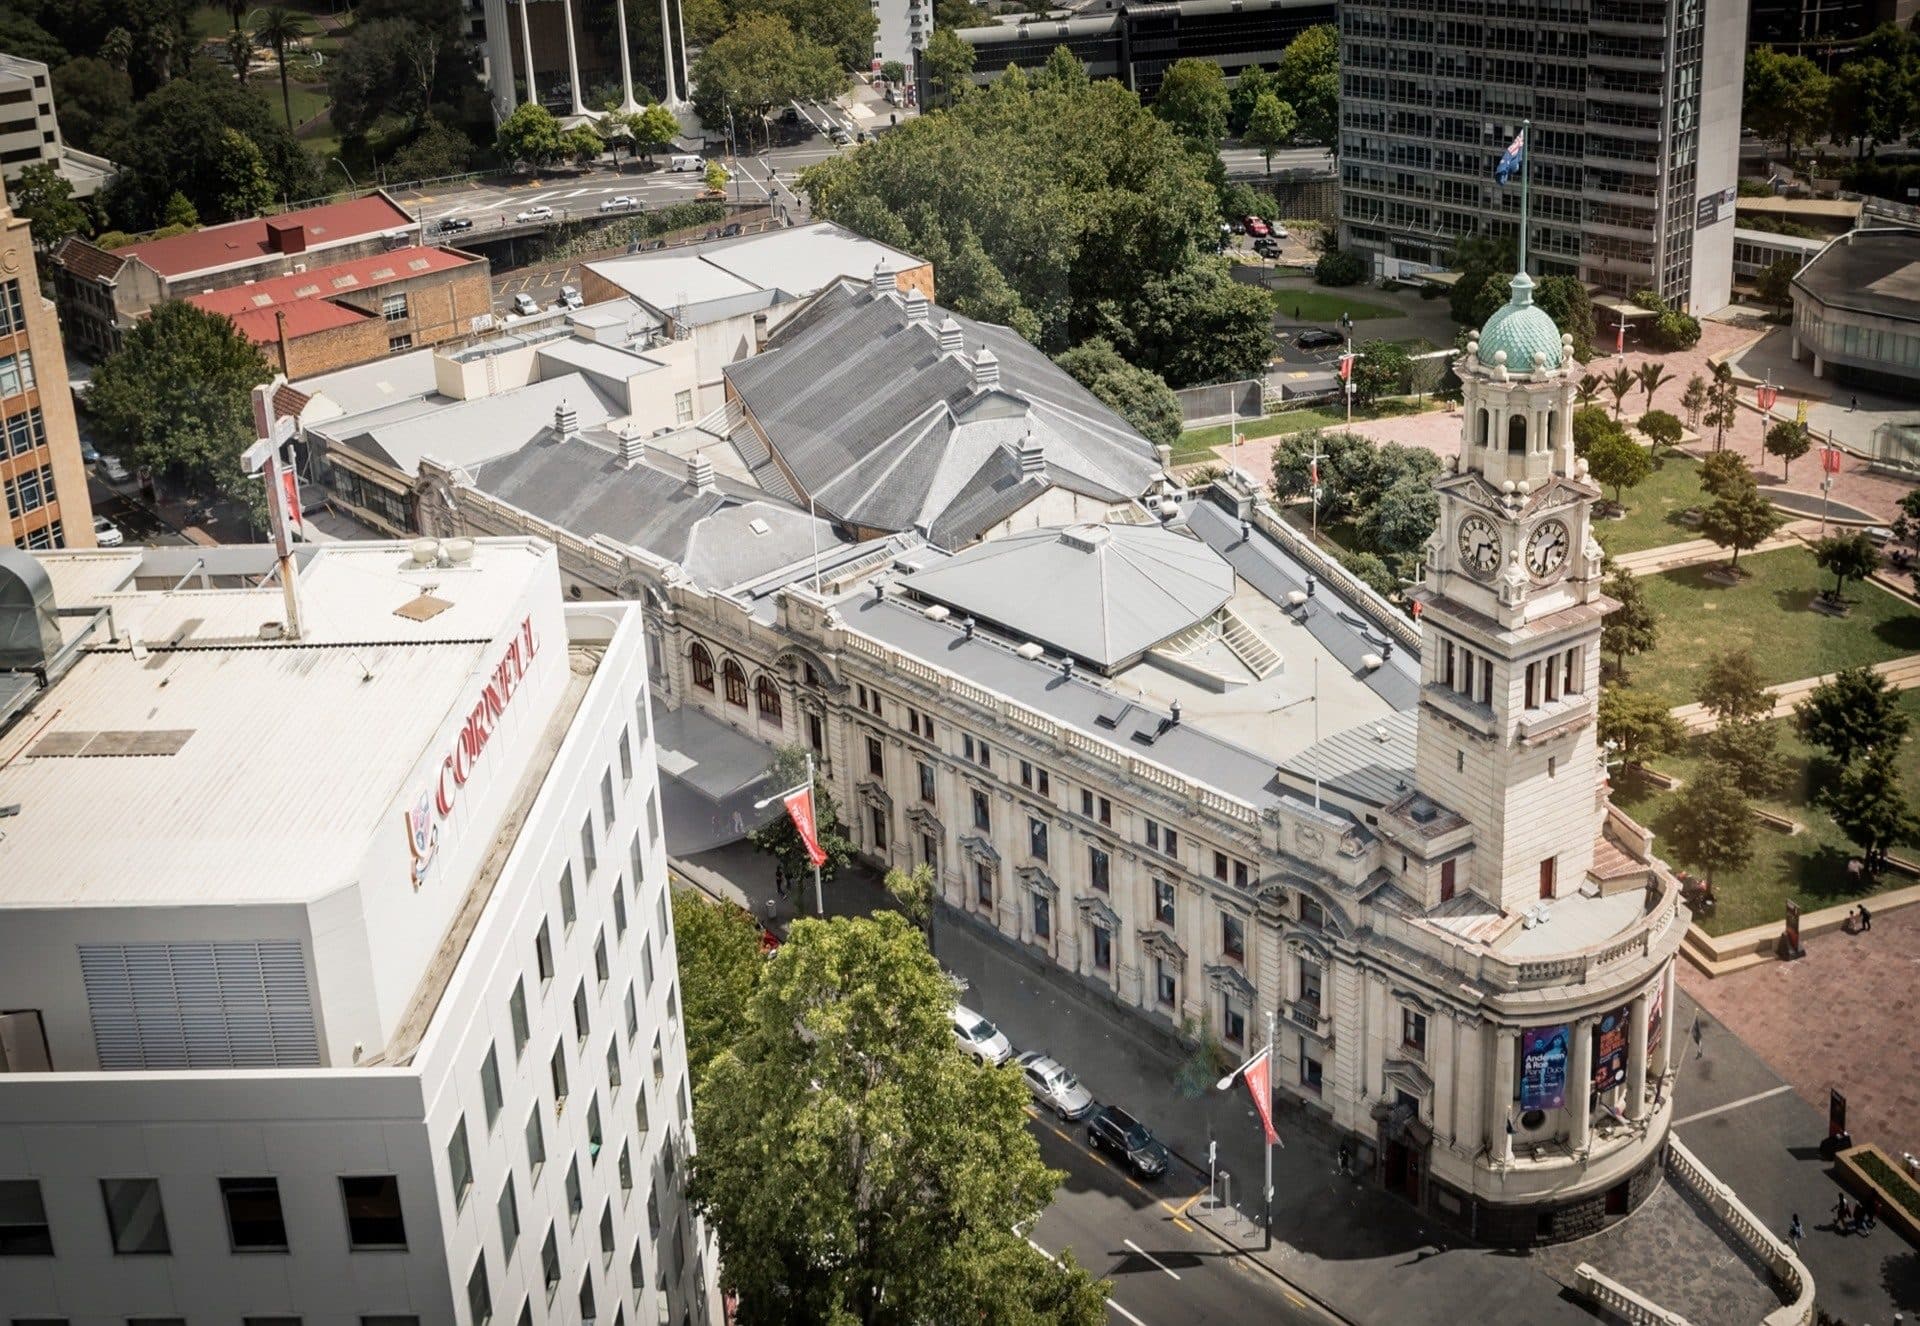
(1543, 1068)
(1610, 1049)
(1259, 1080)
(800, 811)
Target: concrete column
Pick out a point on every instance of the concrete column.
(1637, 1057)
(1441, 1028)
(526, 53)
(666, 55)
(680, 35)
(1670, 1026)
(573, 60)
(1499, 1086)
(626, 68)
(1579, 1085)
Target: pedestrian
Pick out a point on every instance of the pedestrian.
(1863, 1217)
(780, 881)
(1866, 918)
(1843, 1215)
(1699, 1031)
(1853, 403)
(1794, 1232)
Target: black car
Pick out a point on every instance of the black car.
(453, 223)
(1113, 1130)
(1315, 337)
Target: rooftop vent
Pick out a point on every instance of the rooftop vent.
(424, 552)
(883, 282)
(984, 370)
(1086, 538)
(916, 306)
(758, 526)
(418, 264)
(633, 447)
(1030, 650)
(383, 273)
(1033, 459)
(951, 342)
(700, 473)
(566, 423)
(29, 626)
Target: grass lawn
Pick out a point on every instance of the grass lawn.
(1653, 509)
(1769, 615)
(1319, 306)
(1196, 442)
(308, 99)
(1809, 867)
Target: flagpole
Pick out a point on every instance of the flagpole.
(819, 901)
(1268, 1222)
(1526, 173)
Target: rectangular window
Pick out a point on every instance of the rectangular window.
(606, 798)
(1446, 880)
(642, 1120)
(589, 853)
(1165, 984)
(983, 883)
(926, 783)
(683, 407)
(16, 373)
(550, 1263)
(1309, 1067)
(877, 821)
(1566, 682)
(557, 1073)
(606, 1238)
(568, 909)
(1446, 664)
(1102, 948)
(646, 964)
(1163, 898)
(982, 815)
(1105, 811)
(1233, 937)
(135, 1217)
(1552, 679)
(619, 911)
(626, 1172)
(517, 1014)
(613, 1067)
(595, 1137)
(1035, 779)
(632, 1010)
(1037, 838)
(626, 762)
(1486, 682)
(254, 1220)
(536, 1145)
(490, 1086)
(575, 1201)
(659, 1061)
(1153, 835)
(582, 1022)
(1233, 1021)
(876, 758)
(1220, 866)
(1413, 1030)
(543, 953)
(1042, 918)
(929, 852)
(600, 958)
(1310, 984)
(1532, 686)
(400, 344)
(1099, 867)
(636, 858)
(393, 307)
(459, 1164)
(1240, 874)
(1311, 913)
(374, 1218)
(509, 1209)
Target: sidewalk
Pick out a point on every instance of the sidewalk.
(1902, 674)
(1696, 552)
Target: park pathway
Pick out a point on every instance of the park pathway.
(1696, 552)
(1902, 673)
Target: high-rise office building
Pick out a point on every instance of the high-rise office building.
(337, 968)
(41, 472)
(1635, 107)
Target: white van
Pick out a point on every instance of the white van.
(688, 162)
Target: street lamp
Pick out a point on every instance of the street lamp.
(1226, 1084)
(344, 171)
(819, 901)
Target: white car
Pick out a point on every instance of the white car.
(620, 203)
(980, 1038)
(525, 305)
(540, 213)
(106, 533)
(1053, 1086)
(569, 297)
(114, 469)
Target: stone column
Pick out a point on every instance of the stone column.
(1670, 1026)
(666, 55)
(626, 65)
(1637, 1056)
(526, 53)
(1579, 1085)
(1499, 1087)
(1442, 1028)
(573, 60)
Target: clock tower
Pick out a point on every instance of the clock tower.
(1511, 614)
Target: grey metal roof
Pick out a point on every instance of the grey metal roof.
(581, 485)
(1104, 593)
(465, 433)
(1371, 763)
(887, 431)
(1868, 271)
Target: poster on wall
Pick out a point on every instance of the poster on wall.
(1656, 1021)
(1543, 1068)
(1610, 1050)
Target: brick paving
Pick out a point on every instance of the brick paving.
(1837, 1017)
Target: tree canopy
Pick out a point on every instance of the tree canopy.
(757, 64)
(1846, 557)
(45, 197)
(855, 1166)
(1633, 627)
(1789, 441)
(531, 134)
(1138, 395)
(718, 945)
(1640, 726)
(1711, 825)
(1193, 99)
(1870, 807)
(1785, 97)
(1618, 462)
(1732, 689)
(1853, 713)
(1308, 80)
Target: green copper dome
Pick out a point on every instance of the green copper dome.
(1520, 328)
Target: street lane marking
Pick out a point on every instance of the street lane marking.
(1732, 1105)
(1150, 1257)
(1297, 1302)
(1187, 1205)
(1183, 1224)
(1110, 1303)
(1123, 1312)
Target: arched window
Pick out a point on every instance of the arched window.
(1484, 425)
(766, 698)
(1517, 435)
(702, 666)
(736, 682)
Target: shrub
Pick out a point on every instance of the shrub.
(1337, 268)
(1670, 329)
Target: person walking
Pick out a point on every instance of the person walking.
(1842, 1216)
(1853, 403)
(1794, 1232)
(1699, 1031)
(1866, 918)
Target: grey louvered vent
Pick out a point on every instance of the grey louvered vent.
(231, 1004)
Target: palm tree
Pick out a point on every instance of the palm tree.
(280, 29)
(116, 48)
(1589, 389)
(1652, 377)
(1622, 382)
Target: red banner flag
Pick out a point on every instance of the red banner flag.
(1259, 1080)
(800, 811)
(1346, 367)
(1767, 395)
(1830, 459)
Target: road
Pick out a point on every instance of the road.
(1244, 163)
(1165, 1270)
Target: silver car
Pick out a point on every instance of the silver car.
(1053, 1086)
(980, 1038)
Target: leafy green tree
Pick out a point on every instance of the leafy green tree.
(1193, 99)
(844, 27)
(1846, 557)
(781, 841)
(1732, 688)
(894, 72)
(1252, 83)
(1402, 519)
(1138, 395)
(949, 65)
(1723, 404)
(1339, 268)
(1874, 93)
(1270, 127)
(180, 211)
(653, 126)
(45, 198)
(1694, 399)
(95, 101)
(1775, 282)
(1785, 98)
(1638, 726)
(1711, 825)
(1380, 371)
(436, 152)
(1750, 753)
(720, 967)
(280, 28)
(582, 145)
(1196, 324)
(1479, 259)
(532, 135)
(760, 63)
(1566, 301)
(855, 1166)
(1724, 472)
(1494, 293)
(1620, 463)
(243, 186)
(1633, 627)
(1660, 428)
(717, 177)
(1740, 520)
(1869, 805)
(176, 398)
(1356, 473)
(1590, 427)
(1853, 713)
(1308, 80)
(1587, 390)
(1789, 441)
(22, 35)
(915, 896)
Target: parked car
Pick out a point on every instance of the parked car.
(89, 453)
(620, 203)
(1881, 535)
(980, 1038)
(686, 161)
(1255, 226)
(731, 229)
(1315, 338)
(569, 297)
(106, 533)
(1278, 231)
(840, 135)
(1126, 1139)
(114, 469)
(1053, 1086)
(525, 305)
(791, 115)
(1267, 246)
(540, 213)
(449, 224)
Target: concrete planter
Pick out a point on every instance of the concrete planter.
(1886, 1204)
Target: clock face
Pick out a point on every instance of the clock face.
(1547, 549)
(1479, 545)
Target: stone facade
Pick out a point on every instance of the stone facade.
(43, 480)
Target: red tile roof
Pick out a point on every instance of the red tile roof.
(307, 297)
(90, 262)
(244, 241)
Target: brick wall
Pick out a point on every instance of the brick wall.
(441, 307)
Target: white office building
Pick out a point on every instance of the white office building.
(337, 972)
(30, 130)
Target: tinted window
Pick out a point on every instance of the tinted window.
(134, 1215)
(373, 1211)
(254, 1220)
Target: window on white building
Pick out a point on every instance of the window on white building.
(683, 407)
(509, 1209)
(550, 1262)
(543, 953)
(135, 1217)
(568, 911)
(459, 1164)
(479, 1298)
(255, 1222)
(536, 1145)
(1309, 1066)
(517, 1014)
(1413, 1030)
(1163, 901)
(374, 1218)
(490, 1086)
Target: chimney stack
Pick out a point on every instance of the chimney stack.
(760, 332)
(1032, 459)
(700, 473)
(950, 343)
(565, 422)
(916, 306)
(633, 447)
(883, 282)
(984, 369)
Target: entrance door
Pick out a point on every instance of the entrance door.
(1400, 1171)
(1546, 878)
